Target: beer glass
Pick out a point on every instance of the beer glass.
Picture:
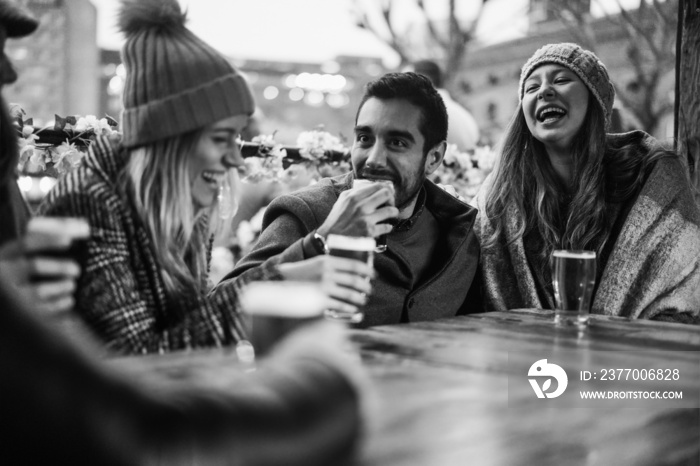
(274, 309)
(381, 240)
(76, 230)
(573, 277)
(359, 248)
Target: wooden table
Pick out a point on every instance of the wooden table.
(444, 397)
(456, 391)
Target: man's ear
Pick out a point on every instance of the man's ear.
(434, 157)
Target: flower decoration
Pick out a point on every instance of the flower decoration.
(267, 163)
(58, 149)
(314, 144)
(318, 154)
(465, 171)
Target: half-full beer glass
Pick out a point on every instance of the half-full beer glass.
(381, 240)
(573, 277)
(359, 248)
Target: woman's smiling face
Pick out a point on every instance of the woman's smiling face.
(216, 152)
(555, 102)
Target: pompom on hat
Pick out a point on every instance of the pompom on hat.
(582, 62)
(16, 20)
(175, 82)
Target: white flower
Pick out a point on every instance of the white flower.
(485, 158)
(91, 123)
(314, 144)
(245, 234)
(66, 157)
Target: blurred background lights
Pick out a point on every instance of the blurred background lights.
(314, 98)
(46, 183)
(271, 92)
(25, 183)
(116, 85)
(337, 100)
(318, 81)
(290, 80)
(330, 67)
(296, 94)
(35, 188)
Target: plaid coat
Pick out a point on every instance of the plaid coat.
(121, 294)
(653, 271)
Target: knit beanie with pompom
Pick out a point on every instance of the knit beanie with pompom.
(582, 62)
(175, 82)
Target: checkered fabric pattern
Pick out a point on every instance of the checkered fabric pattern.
(121, 294)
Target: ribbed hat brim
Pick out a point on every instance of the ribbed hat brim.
(189, 110)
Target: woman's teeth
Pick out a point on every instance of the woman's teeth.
(213, 177)
(551, 114)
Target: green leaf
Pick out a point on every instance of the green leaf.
(111, 121)
(60, 123)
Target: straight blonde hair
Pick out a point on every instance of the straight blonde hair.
(158, 180)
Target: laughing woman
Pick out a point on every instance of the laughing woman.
(562, 182)
(154, 200)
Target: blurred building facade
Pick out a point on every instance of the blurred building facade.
(488, 83)
(58, 65)
(291, 97)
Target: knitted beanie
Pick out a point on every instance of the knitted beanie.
(175, 82)
(582, 62)
(16, 20)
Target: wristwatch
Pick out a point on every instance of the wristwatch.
(320, 243)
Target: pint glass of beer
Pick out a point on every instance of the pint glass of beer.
(359, 248)
(381, 240)
(573, 276)
(74, 231)
(273, 309)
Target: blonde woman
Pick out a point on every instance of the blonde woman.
(154, 200)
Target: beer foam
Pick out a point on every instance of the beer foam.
(574, 254)
(351, 243)
(71, 227)
(283, 299)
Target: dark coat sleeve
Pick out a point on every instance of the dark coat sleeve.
(302, 409)
(288, 226)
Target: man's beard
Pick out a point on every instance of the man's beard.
(406, 188)
(9, 151)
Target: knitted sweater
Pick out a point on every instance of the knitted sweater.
(291, 220)
(653, 270)
(121, 294)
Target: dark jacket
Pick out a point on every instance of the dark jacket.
(121, 294)
(301, 407)
(14, 212)
(291, 220)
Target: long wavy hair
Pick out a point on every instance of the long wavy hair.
(566, 217)
(158, 181)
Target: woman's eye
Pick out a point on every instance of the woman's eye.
(531, 88)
